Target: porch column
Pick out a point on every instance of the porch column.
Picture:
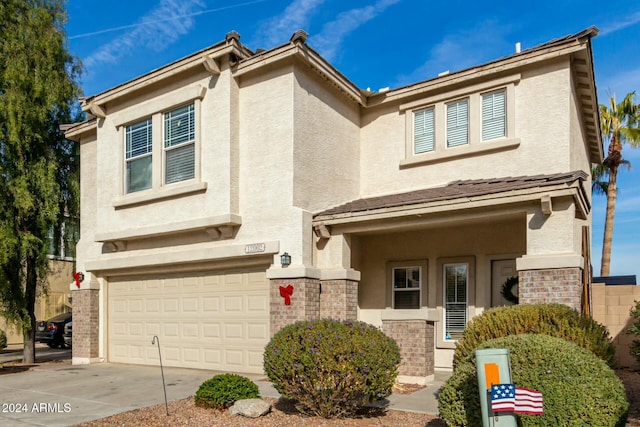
(86, 323)
(414, 332)
(338, 281)
(551, 271)
(294, 295)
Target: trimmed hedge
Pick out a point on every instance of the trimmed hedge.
(331, 368)
(222, 391)
(3, 339)
(578, 388)
(555, 320)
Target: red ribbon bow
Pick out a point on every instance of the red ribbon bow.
(286, 292)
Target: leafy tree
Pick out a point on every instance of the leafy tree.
(37, 165)
(619, 125)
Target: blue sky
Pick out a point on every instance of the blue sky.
(376, 44)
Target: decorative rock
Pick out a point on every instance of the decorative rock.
(252, 408)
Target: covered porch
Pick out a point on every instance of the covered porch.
(425, 262)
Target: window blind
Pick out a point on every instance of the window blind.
(138, 139)
(494, 116)
(458, 123)
(180, 164)
(179, 126)
(423, 131)
(455, 300)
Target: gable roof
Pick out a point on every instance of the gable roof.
(577, 45)
(454, 190)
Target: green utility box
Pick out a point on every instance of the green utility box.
(493, 368)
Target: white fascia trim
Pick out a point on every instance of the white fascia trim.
(549, 261)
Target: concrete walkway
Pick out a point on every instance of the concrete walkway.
(60, 394)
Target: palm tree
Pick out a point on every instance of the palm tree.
(619, 125)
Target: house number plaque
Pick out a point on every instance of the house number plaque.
(254, 248)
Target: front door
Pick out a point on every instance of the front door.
(501, 270)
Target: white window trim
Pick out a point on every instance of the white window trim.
(475, 146)
(159, 190)
(420, 263)
(441, 342)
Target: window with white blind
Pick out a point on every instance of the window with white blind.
(458, 123)
(465, 122)
(423, 131)
(455, 283)
(494, 115)
(406, 287)
(179, 144)
(138, 156)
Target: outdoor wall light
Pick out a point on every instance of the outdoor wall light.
(285, 259)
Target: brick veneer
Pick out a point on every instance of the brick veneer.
(561, 285)
(416, 341)
(85, 323)
(339, 299)
(305, 302)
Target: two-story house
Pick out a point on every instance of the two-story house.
(232, 192)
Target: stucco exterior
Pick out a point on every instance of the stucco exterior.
(290, 156)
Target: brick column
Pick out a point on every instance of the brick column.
(559, 285)
(305, 302)
(416, 341)
(85, 325)
(339, 299)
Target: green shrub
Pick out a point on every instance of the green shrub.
(634, 329)
(222, 391)
(556, 320)
(578, 388)
(3, 339)
(331, 368)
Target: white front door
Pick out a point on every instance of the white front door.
(501, 270)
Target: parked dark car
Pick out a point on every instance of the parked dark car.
(68, 329)
(51, 331)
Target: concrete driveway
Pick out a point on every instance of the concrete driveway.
(63, 394)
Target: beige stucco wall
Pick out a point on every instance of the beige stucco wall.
(327, 143)
(542, 124)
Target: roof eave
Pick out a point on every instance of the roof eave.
(95, 104)
(303, 52)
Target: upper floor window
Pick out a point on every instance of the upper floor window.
(494, 115)
(406, 287)
(458, 123)
(138, 156)
(467, 121)
(179, 144)
(423, 130)
(177, 151)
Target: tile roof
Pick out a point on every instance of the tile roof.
(455, 190)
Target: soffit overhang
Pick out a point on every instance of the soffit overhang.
(459, 199)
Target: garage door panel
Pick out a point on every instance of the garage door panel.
(215, 321)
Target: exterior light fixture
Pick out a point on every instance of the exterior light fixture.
(285, 259)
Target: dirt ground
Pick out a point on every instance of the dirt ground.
(185, 413)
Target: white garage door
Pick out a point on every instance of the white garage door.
(209, 321)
